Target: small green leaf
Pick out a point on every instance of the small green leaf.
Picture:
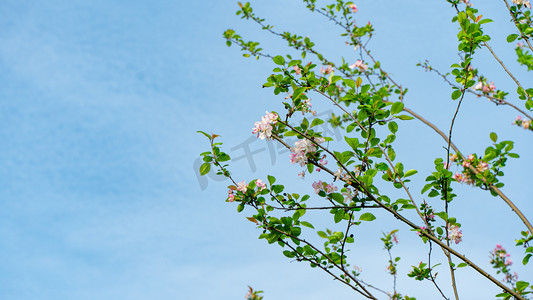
(339, 215)
(410, 173)
(207, 135)
(271, 179)
(393, 127)
(511, 37)
(391, 154)
(462, 265)
(322, 234)
(297, 92)
(404, 117)
(493, 136)
(307, 224)
(279, 60)
(288, 253)
(397, 107)
(205, 168)
(521, 285)
(456, 94)
(316, 122)
(367, 217)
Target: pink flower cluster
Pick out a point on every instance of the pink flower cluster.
(243, 188)
(359, 64)
(463, 178)
(353, 7)
(454, 234)
(322, 186)
(307, 107)
(501, 260)
(524, 123)
(486, 88)
(327, 70)
(466, 175)
(348, 194)
(301, 148)
(526, 3)
(264, 128)
(297, 70)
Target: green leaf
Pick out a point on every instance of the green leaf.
(339, 215)
(397, 107)
(493, 136)
(353, 142)
(288, 253)
(367, 217)
(410, 173)
(404, 117)
(461, 265)
(391, 153)
(322, 234)
(511, 37)
(349, 82)
(271, 179)
(316, 122)
(393, 127)
(426, 187)
(521, 285)
(307, 224)
(456, 94)
(207, 135)
(279, 60)
(297, 92)
(526, 259)
(337, 197)
(205, 168)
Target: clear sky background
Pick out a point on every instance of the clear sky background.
(99, 106)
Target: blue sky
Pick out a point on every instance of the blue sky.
(99, 105)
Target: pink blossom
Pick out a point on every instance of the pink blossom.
(330, 188)
(318, 186)
(489, 88)
(453, 157)
(231, 197)
(260, 184)
(394, 238)
(470, 157)
(264, 128)
(301, 174)
(518, 118)
(523, 2)
(458, 176)
(359, 64)
(482, 166)
(323, 161)
(422, 229)
(298, 70)
(338, 174)
(466, 164)
(454, 234)
(299, 151)
(520, 45)
(526, 124)
(321, 186)
(353, 7)
(348, 195)
(242, 186)
(478, 86)
(327, 70)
